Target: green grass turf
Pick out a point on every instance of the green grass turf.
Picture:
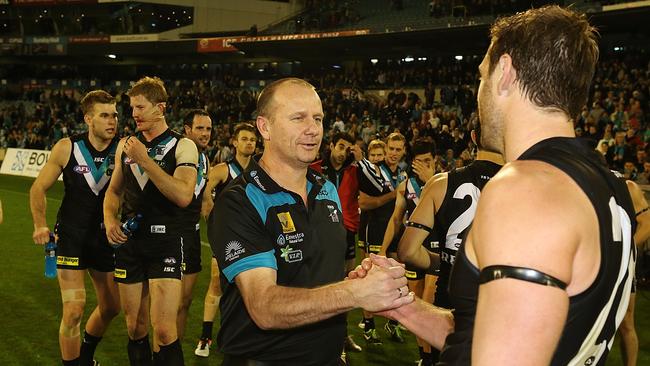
(29, 319)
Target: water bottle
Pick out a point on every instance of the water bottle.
(131, 225)
(50, 258)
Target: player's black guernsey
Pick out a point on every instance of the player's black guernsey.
(455, 216)
(160, 215)
(376, 184)
(85, 178)
(234, 170)
(194, 207)
(412, 192)
(593, 314)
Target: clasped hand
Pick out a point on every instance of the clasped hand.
(383, 285)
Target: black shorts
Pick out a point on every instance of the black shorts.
(413, 274)
(351, 240)
(83, 249)
(363, 225)
(149, 256)
(375, 235)
(192, 252)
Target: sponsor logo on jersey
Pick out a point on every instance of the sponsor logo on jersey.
(158, 229)
(281, 241)
(322, 193)
(411, 275)
(256, 178)
(120, 273)
(291, 255)
(169, 269)
(81, 169)
(287, 222)
(446, 257)
(169, 260)
(411, 196)
(67, 261)
(98, 159)
(233, 250)
(374, 248)
(295, 238)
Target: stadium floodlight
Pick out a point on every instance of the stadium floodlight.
(408, 59)
(111, 56)
(458, 58)
(374, 61)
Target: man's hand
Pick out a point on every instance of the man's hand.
(114, 232)
(383, 289)
(41, 235)
(135, 150)
(424, 171)
(362, 269)
(356, 151)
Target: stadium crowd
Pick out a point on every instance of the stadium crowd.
(615, 119)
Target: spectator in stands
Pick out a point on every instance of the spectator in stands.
(618, 152)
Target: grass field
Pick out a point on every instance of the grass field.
(29, 319)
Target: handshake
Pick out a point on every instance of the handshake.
(378, 285)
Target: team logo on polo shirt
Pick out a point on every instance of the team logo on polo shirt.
(287, 222)
(333, 214)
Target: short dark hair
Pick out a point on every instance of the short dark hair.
(95, 97)
(554, 51)
(342, 136)
(189, 116)
(423, 146)
(265, 98)
(244, 126)
(152, 88)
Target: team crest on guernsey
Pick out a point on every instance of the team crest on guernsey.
(287, 222)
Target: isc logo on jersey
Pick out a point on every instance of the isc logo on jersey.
(287, 222)
(81, 169)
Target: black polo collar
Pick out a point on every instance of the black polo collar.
(254, 174)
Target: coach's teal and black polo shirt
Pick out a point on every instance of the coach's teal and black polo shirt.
(260, 224)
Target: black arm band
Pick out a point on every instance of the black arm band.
(642, 211)
(491, 273)
(187, 164)
(418, 226)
